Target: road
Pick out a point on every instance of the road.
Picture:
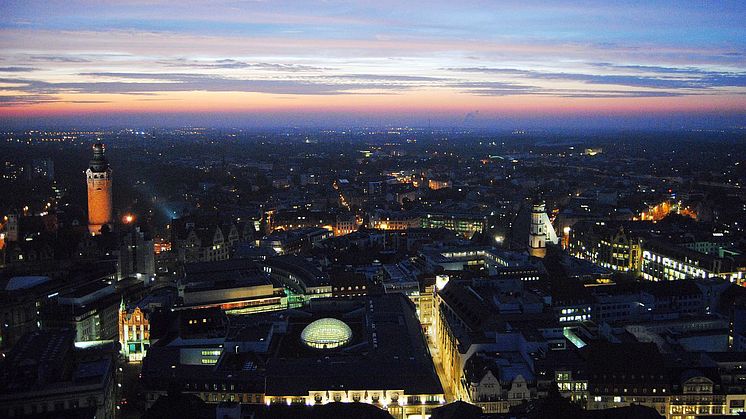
(132, 405)
(447, 389)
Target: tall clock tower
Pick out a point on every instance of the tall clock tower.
(98, 176)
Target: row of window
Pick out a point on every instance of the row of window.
(573, 386)
(584, 317)
(349, 288)
(620, 399)
(634, 390)
(706, 410)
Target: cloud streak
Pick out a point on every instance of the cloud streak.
(453, 57)
(17, 69)
(668, 78)
(152, 83)
(229, 63)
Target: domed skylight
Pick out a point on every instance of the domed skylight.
(326, 333)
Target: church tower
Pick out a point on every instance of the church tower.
(542, 231)
(537, 238)
(98, 176)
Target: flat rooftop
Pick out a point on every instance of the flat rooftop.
(386, 337)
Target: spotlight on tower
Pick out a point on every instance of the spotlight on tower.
(541, 231)
(98, 177)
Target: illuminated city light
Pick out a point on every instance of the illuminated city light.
(326, 333)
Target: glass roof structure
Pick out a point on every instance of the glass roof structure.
(326, 333)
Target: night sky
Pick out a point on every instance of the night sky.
(327, 63)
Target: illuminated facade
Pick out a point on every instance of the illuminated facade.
(475, 367)
(236, 286)
(345, 225)
(397, 402)
(662, 261)
(393, 221)
(697, 398)
(572, 386)
(600, 244)
(541, 232)
(495, 388)
(464, 224)
(436, 184)
(621, 249)
(665, 262)
(426, 310)
(573, 313)
(340, 225)
(134, 333)
(302, 280)
(98, 177)
(661, 267)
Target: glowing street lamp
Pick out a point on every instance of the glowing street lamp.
(128, 219)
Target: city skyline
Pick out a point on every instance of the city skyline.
(474, 64)
(324, 209)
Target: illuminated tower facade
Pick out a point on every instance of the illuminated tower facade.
(98, 176)
(541, 231)
(134, 332)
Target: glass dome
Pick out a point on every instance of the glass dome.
(326, 333)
